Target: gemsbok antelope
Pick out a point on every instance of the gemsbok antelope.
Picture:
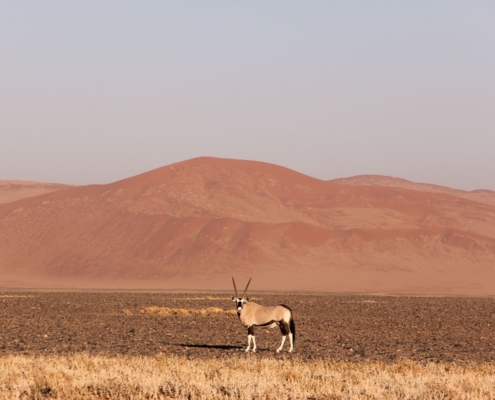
(252, 314)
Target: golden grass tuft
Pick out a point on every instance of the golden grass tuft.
(166, 311)
(239, 376)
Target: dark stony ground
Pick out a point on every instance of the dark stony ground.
(332, 327)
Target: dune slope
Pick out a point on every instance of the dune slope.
(195, 223)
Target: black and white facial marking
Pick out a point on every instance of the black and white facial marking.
(239, 304)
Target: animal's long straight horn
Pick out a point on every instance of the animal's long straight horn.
(234, 287)
(245, 290)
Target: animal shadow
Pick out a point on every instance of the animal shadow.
(209, 346)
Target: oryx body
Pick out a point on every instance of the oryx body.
(252, 314)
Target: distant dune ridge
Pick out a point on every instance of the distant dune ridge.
(480, 195)
(16, 190)
(193, 224)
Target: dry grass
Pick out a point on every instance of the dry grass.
(81, 376)
(185, 312)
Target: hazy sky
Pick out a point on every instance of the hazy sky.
(97, 91)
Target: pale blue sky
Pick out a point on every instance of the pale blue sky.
(93, 92)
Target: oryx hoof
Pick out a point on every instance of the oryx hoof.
(247, 350)
(278, 350)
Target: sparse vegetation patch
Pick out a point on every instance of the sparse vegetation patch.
(166, 311)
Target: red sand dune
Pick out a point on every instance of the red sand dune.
(193, 224)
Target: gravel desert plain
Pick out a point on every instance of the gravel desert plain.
(339, 327)
(123, 290)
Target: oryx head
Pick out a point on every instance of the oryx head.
(239, 301)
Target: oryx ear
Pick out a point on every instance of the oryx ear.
(232, 298)
(249, 298)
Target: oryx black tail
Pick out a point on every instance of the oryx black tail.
(293, 329)
(292, 325)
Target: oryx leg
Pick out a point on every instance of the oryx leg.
(292, 333)
(249, 343)
(251, 337)
(291, 338)
(284, 329)
(282, 345)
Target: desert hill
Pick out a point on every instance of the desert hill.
(16, 190)
(193, 224)
(480, 195)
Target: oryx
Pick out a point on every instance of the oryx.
(252, 314)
